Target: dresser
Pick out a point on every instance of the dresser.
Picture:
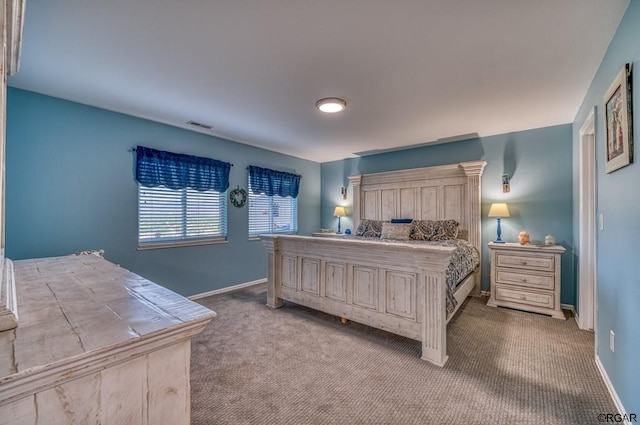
(96, 344)
(526, 277)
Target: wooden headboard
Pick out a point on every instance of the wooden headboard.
(441, 192)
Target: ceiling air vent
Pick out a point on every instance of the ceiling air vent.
(199, 124)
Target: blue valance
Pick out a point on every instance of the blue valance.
(272, 182)
(178, 171)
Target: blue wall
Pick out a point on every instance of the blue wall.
(540, 200)
(70, 188)
(618, 198)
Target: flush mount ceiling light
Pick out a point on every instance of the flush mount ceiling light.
(331, 105)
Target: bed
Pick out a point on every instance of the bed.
(399, 286)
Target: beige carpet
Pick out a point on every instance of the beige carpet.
(255, 365)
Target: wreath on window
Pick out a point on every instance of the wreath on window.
(238, 197)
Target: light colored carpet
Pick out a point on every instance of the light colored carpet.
(293, 365)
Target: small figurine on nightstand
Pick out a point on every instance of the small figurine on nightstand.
(523, 238)
(549, 239)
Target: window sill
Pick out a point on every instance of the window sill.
(180, 244)
(257, 238)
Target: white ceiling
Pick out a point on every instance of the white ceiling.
(411, 71)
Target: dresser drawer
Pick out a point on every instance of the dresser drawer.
(524, 278)
(524, 297)
(530, 262)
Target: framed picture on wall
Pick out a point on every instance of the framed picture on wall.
(618, 121)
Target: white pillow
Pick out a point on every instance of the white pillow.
(396, 231)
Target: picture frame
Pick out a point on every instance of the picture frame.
(618, 122)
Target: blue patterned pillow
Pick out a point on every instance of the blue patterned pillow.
(434, 230)
(362, 227)
(369, 228)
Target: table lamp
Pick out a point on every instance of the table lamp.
(339, 212)
(499, 210)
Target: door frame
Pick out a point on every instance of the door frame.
(587, 190)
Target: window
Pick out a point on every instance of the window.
(180, 217)
(273, 201)
(182, 199)
(272, 214)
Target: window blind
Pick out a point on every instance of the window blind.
(272, 214)
(180, 201)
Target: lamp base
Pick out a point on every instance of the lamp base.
(499, 235)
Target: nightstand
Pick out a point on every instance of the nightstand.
(526, 277)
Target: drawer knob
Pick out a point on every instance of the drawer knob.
(522, 279)
(524, 263)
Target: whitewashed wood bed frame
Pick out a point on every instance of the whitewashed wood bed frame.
(392, 286)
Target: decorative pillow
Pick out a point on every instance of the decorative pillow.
(396, 231)
(369, 228)
(434, 230)
(362, 227)
(422, 230)
(374, 230)
(401, 220)
(449, 229)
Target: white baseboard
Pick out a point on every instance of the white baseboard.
(572, 309)
(569, 307)
(612, 391)
(577, 317)
(227, 289)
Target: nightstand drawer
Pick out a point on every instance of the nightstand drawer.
(522, 278)
(531, 262)
(524, 297)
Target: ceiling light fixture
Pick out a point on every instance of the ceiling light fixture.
(331, 105)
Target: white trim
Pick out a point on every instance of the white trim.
(572, 309)
(612, 390)
(14, 28)
(180, 243)
(587, 225)
(569, 307)
(227, 289)
(8, 299)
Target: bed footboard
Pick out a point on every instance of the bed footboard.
(399, 288)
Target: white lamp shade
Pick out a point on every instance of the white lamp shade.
(339, 212)
(499, 210)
